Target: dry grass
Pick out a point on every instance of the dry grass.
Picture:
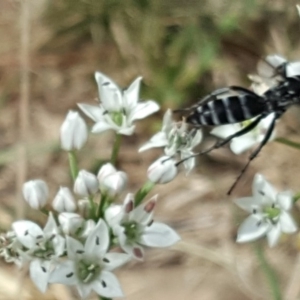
(207, 264)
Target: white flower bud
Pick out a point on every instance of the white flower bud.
(70, 223)
(73, 132)
(114, 184)
(86, 184)
(106, 169)
(162, 170)
(88, 227)
(35, 193)
(64, 201)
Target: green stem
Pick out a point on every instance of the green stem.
(116, 148)
(73, 164)
(288, 143)
(100, 212)
(92, 209)
(269, 272)
(143, 192)
(103, 298)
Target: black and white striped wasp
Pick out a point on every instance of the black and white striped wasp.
(235, 104)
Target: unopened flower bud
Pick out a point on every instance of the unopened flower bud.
(111, 181)
(105, 170)
(73, 132)
(86, 184)
(70, 223)
(162, 170)
(35, 193)
(64, 201)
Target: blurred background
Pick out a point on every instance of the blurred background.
(49, 52)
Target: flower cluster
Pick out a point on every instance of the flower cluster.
(87, 234)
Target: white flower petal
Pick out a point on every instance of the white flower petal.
(51, 227)
(26, 232)
(131, 94)
(226, 130)
(64, 273)
(143, 110)
(287, 223)
(252, 229)
(196, 139)
(243, 143)
(97, 242)
(127, 130)
(108, 285)
(285, 200)
(143, 213)
(109, 91)
(102, 126)
(84, 289)
(158, 140)
(263, 191)
(159, 235)
(248, 204)
(112, 260)
(93, 112)
(273, 235)
(39, 273)
(114, 214)
(134, 250)
(74, 248)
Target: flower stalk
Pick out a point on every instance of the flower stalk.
(73, 164)
(268, 271)
(143, 192)
(288, 143)
(116, 148)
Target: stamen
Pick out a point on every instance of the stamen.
(70, 275)
(262, 193)
(44, 269)
(26, 232)
(97, 241)
(105, 83)
(254, 210)
(104, 284)
(79, 251)
(106, 260)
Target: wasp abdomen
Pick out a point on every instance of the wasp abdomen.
(227, 110)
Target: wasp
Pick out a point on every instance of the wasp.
(236, 104)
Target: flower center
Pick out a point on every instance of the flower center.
(132, 231)
(117, 117)
(45, 248)
(87, 271)
(272, 212)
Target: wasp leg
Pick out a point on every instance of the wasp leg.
(255, 152)
(243, 131)
(227, 140)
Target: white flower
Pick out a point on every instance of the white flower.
(70, 223)
(64, 200)
(163, 170)
(9, 248)
(41, 248)
(89, 226)
(111, 181)
(242, 143)
(175, 138)
(269, 213)
(134, 227)
(73, 132)
(89, 266)
(35, 193)
(86, 184)
(118, 108)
